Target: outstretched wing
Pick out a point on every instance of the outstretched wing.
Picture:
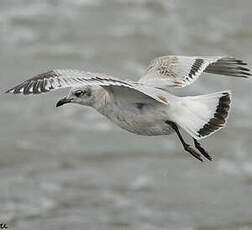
(57, 79)
(180, 71)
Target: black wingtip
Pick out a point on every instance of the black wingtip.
(9, 91)
(247, 75)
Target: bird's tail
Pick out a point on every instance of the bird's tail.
(203, 115)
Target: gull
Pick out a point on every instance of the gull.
(146, 107)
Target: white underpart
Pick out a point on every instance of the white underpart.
(190, 113)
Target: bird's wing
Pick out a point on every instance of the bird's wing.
(180, 71)
(57, 79)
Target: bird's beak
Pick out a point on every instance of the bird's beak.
(63, 101)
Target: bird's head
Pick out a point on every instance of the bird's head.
(79, 95)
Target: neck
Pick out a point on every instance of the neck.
(101, 99)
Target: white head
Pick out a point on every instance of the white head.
(84, 95)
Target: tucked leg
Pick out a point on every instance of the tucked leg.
(186, 146)
(202, 150)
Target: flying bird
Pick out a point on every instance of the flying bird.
(146, 107)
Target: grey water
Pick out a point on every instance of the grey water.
(70, 168)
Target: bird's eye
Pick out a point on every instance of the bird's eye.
(79, 93)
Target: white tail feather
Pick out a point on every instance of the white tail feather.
(202, 115)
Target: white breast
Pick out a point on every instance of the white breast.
(148, 120)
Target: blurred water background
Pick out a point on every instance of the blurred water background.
(70, 168)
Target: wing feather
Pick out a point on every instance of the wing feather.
(57, 79)
(230, 67)
(180, 71)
